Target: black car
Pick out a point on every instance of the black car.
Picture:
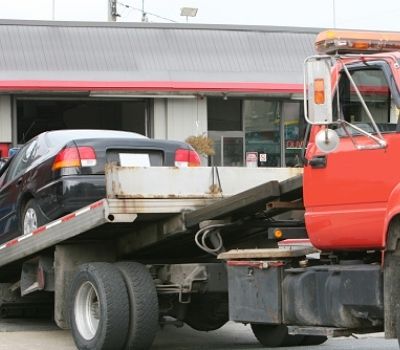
(60, 171)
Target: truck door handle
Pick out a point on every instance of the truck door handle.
(318, 162)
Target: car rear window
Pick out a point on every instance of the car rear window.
(61, 137)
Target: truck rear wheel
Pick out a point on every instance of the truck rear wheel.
(144, 313)
(99, 311)
(274, 336)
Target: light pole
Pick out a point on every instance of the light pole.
(53, 10)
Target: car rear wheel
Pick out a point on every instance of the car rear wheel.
(99, 308)
(32, 217)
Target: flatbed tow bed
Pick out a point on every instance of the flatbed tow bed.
(156, 226)
(189, 212)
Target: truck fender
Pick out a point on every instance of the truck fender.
(393, 209)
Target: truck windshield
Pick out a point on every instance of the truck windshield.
(374, 88)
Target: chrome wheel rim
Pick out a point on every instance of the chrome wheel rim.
(87, 311)
(30, 221)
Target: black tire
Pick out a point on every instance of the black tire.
(274, 336)
(144, 313)
(31, 212)
(99, 308)
(207, 313)
(314, 340)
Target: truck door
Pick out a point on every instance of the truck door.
(346, 192)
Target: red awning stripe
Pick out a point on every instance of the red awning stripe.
(161, 86)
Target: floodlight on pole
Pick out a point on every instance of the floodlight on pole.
(189, 12)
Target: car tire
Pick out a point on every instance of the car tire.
(32, 217)
(99, 307)
(274, 336)
(143, 300)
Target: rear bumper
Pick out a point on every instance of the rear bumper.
(70, 193)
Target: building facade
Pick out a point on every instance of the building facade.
(240, 85)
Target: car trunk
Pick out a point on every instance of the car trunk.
(130, 152)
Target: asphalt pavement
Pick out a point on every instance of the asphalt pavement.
(28, 335)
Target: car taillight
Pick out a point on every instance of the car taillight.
(186, 157)
(87, 155)
(71, 157)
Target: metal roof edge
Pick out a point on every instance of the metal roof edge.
(198, 26)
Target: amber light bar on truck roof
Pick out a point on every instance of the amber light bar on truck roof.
(346, 41)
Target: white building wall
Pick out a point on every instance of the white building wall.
(160, 119)
(186, 117)
(5, 119)
(176, 119)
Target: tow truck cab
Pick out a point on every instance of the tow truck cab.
(352, 171)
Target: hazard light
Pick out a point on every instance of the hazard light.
(346, 41)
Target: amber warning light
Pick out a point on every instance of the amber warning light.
(319, 91)
(343, 41)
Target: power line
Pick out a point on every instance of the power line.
(144, 13)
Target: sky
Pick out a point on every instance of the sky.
(356, 14)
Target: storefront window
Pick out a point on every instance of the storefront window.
(262, 129)
(271, 132)
(226, 129)
(294, 129)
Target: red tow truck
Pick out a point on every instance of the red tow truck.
(300, 258)
(351, 195)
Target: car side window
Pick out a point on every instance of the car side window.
(2, 177)
(22, 160)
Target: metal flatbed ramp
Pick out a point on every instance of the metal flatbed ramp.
(53, 233)
(250, 201)
(92, 218)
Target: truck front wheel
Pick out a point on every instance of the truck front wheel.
(207, 312)
(314, 340)
(274, 336)
(99, 308)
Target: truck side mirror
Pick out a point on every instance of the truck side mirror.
(318, 90)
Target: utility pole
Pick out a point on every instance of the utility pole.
(144, 15)
(112, 11)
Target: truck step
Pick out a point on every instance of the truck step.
(268, 253)
(330, 331)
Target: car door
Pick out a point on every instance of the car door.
(346, 193)
(11, 187)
